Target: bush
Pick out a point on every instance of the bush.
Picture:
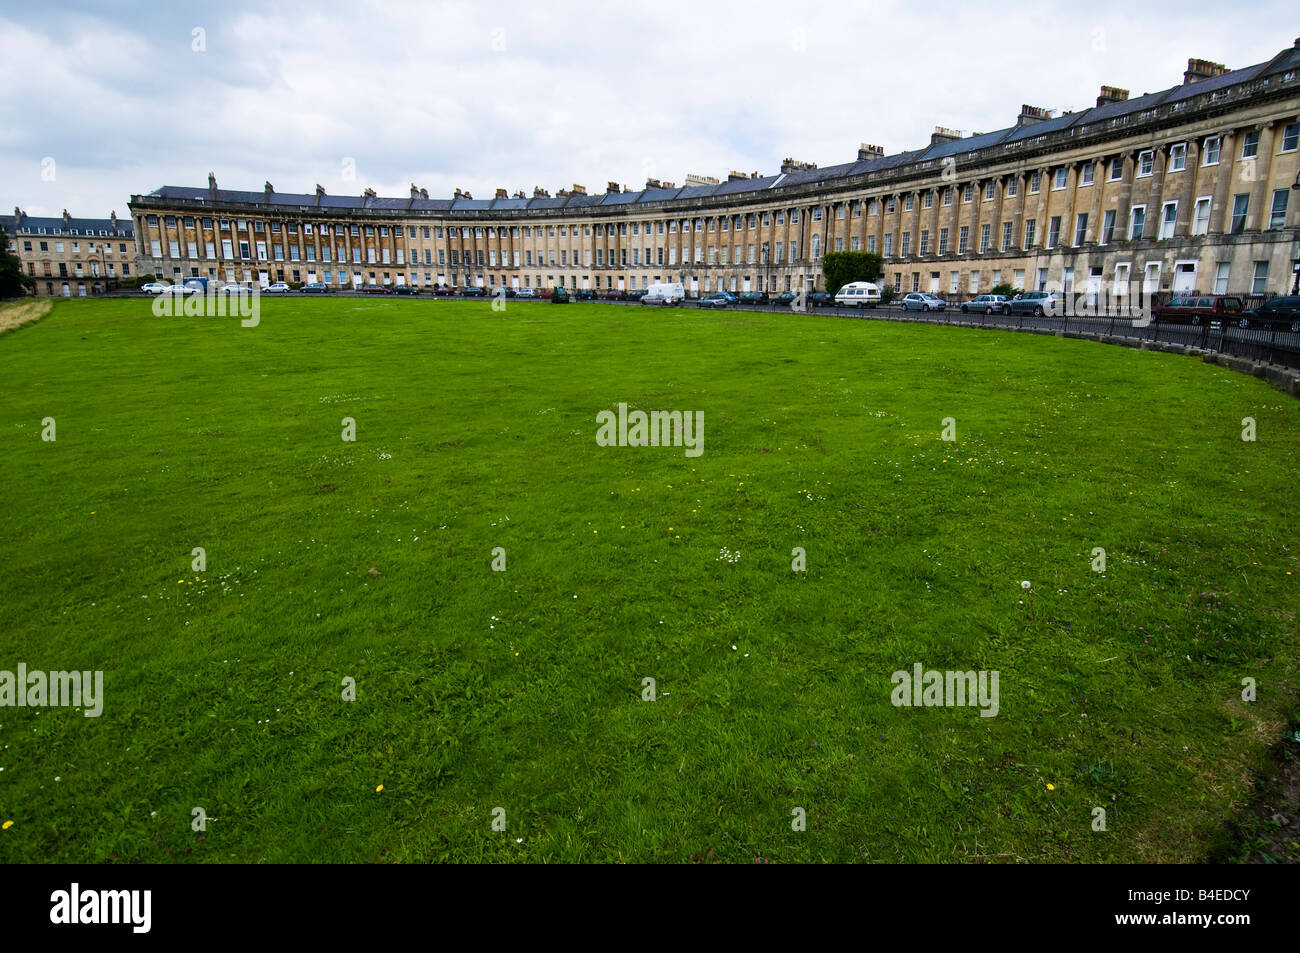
(887, 294)
(295, 285)
(1004, 289)
(841, 267)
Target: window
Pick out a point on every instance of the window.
(905, 247)
(984, 239)
(1178, 157)
(1012, 186)
(1086, 174)
(967, 192)
(1168, 220)
(1116, 170)
(1151, 280)
(1146, 163)
(1034, 183)
(889, 246)
(816, 246)
(1053, 231)
(1006, 236)
(947, 195)
(889, 205)
(928, 200)
(1290, 137)
(1108, 227)
(1277, 217)
(1080, 228)
(963, 239)
(1240, 205)
(988, 191)
(871, 244)
(1137, 222)
(817, 214)
(953, 283)
(1250, 145)
(1058, 180)
(1031, 227)
(1259, 283)
(907, 202)
(1201, 216)
(925, 241)
(1210, 151)
(1221, 278)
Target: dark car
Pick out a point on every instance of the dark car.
(374, 290)
(1281, 314)
(613, 294)
(406, 290)
(473, 292)
(635, 295)
(315, 288)
(586, 294)
(755, 297)
(444, 291)
(1198, 309)
(559, 296)
(785, 299)
(718, 299)
(820, 299)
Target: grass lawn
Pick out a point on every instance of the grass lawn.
(522, 689)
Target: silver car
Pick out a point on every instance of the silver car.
(924, 301)
(989, 304)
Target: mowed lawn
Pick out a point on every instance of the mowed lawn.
(523, 689)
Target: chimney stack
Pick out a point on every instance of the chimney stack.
(320, 193)
(1112, 94)
(66, 217)
(1198, 70)
(368, 194)
(795, 165)
(612, 188)
(579, 189)
(1032, 114)
(212, 186)
(867, 151)
(734, 176)
(943, 134)
(268, 190)
(502, 194)
(424, 193)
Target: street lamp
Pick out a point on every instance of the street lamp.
(1295, 264)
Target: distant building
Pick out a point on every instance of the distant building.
(1186, 188)
(73, 257)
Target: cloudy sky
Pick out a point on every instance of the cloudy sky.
(102, 100)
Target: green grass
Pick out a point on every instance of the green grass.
(522, 689)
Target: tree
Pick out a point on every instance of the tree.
(1004, 289)
(13, 283)
(841, 267)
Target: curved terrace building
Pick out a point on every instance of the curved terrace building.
(1189, 188)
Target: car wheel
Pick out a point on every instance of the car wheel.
(925, 307)
(1038, 311)
(986, 310)
(966, 310)
(1295, 326)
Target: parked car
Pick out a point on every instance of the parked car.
(559, 296)
(819, 299)
(154, 287)
(923, 301)
(180, 290)
(444, 291)
(526, 293)
(406, 290)
(315, 288)
(276, 288)
(472, 291)
(988, 304)
(755, 297)
(785, 299)
(234, 288)
(858, 294)
(635, 295)
(584, 294)
(613, 294)
(1282, 313)
(1197, 309)
(1036, 303)
(718, 299)
(374, 290)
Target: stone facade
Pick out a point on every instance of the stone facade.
(73, 257)
(1190, 188)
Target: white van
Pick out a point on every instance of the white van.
(666, 292)
(858, 294)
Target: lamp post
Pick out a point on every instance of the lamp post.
(1295, 264)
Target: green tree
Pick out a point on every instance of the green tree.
(13, 283)
(1004, 289)
(841, 267)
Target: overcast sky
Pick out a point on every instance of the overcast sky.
(102, 100)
